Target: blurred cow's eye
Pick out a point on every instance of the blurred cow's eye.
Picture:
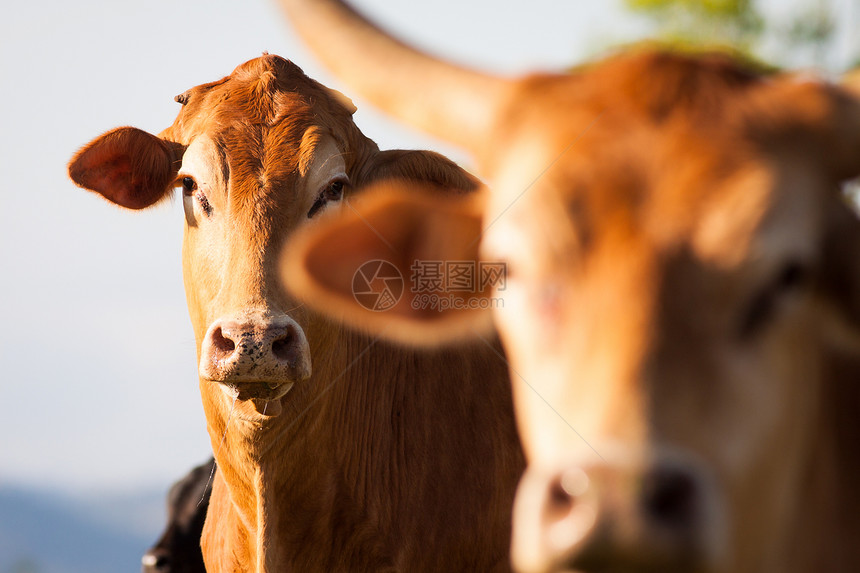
(792, 276)
(332, 192)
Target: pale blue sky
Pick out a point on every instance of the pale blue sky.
(98, 384)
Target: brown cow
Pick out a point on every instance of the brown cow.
(682, 307)
(335, 451)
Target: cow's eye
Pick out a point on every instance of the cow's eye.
(189, 185)
(332, 192)
(790, 278)
(190, 189)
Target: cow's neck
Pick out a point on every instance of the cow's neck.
(827, 516)
(332, 466)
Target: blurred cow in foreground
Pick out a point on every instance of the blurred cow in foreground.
(336, 451)
(682, 304)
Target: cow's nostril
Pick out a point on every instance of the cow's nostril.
(284, 348)
(221, 343)
(669, 497)
(568, 486)
(560, 499)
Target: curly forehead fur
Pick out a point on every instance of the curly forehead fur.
(264, 91)
(267, 117)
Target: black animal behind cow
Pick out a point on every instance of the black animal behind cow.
(178, 548)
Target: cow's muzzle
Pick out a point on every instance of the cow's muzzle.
(255, 355)
(660, 515)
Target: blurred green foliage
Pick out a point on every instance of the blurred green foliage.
(803, 34)
(735, 23)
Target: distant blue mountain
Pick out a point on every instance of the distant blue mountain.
(44, 532)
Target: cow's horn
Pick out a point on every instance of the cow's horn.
(445, 100)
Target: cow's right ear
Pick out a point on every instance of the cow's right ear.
(127, 166)
(399, 263)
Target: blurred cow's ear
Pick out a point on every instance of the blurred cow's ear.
(127, 166)
(386, 262)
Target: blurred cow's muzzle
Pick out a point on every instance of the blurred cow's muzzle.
(255, 354)
(663, 516)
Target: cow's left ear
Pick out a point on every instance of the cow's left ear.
(127, 166)
(420, 165)
(343, 100)
(398, 263)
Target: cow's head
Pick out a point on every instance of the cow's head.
(678, 286)
(681, 300)
(254, 156)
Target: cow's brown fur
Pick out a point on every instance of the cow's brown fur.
(385, 459)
